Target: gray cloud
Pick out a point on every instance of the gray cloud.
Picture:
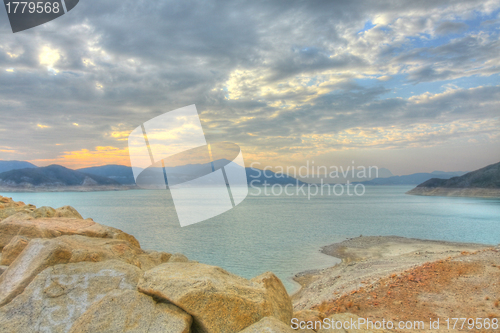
(451, 28)
(123, 62)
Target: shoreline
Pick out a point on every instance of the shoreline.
(367, 259)
(489, 193)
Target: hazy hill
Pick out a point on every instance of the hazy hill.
(484, 183)
(52, 176)
(487, 177)
(124, 175)
(13, 165)
(413, 179)
(121, 173)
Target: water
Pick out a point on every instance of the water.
(282, 234)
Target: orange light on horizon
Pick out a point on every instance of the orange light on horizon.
(101, 155)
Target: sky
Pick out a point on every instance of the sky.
(412, 86)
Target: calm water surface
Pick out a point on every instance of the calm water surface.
(282, 234)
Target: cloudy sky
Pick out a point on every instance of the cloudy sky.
(412, 86)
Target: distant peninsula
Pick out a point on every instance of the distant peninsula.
(482, 183)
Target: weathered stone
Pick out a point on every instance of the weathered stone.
(218, 301)
(67, 211)
(55, 227)
(111, 232)
(3, 269)
(280, 304)
(38, 255)
(20, 215)
(346, 319)
(9, 207)
(130, 311)
(42, 253)
(44, 211)
(61, 294)
(152, 259)
(12, 250)
(160, 257)
(269, 325)
(309, 316)
(178, 257)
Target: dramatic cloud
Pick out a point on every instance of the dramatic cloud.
(284, 79)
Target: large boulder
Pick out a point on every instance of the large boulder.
(178, 257)
(67, 211)
(44, 211)
(311, 318)
(280, 304)
(59, 295)
(218, 301)
(12, 250)
(10, 207)
(38, 255)
(43, 253)
(130, 311)
(55, 227)
(269, 325)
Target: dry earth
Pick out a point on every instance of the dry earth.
(400, 279)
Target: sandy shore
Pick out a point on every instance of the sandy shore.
(366, 260)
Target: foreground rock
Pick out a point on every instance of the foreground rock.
(10, 207)
(62, 273)
(43, 253)
(217, 300)
(59, 295)
(269, 325)
(55, 227)
(131, 311)
(12, 250)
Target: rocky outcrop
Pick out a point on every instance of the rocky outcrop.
(269, 325)
(62, 273)
(59, 295)
(217, 300)
(55, 227)
(308, 316)
(10, 207)
(43, 253)
(132, 311)
(12, 250)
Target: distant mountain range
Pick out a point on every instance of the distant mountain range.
(51, 176)
(413, 179)
(20, 173)
(124, 174)
(14, 165)
(484, 182)
(25, 174)
(120, 173)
